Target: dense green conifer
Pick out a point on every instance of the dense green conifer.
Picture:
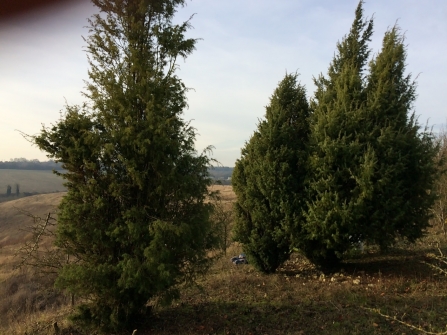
(268, 179)
(341, 163)
(372, 168)
(405, 171)
(135, 218)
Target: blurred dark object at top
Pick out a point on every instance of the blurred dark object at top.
(11, 9)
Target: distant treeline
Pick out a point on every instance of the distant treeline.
(33, 164)
(221, 172)
(218, 173)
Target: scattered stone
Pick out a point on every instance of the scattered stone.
(356, 281)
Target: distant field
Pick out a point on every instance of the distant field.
(30, 181)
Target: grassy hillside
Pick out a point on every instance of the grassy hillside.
(23, 291)
(375, 293)
(14, 218)
(30, 181)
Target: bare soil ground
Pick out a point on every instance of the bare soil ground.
(374, 293)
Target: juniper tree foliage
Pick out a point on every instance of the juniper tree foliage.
(268, 179)
(372, 168)
(341, 162)
(135, 216)
(405, 171)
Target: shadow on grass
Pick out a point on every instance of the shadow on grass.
(301, 300)
(408, 265)
(394, 263)
(330, 316)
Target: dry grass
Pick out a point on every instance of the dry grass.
(226, 195)
(13, 216)
(298, 299)
(225, 191)
(301, 300)
(25, 295)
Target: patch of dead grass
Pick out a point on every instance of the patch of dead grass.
(225, 191)
(27, 296)
(13, 218)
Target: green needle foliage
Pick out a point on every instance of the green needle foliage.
(135, 218)
(269, 178)
(372, 167)
(342, 161)
(405, 172)
(359, 168)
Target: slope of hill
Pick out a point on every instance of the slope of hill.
(14, 218)
(23, 290)
(14, 214)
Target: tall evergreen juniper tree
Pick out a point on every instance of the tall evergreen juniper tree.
(405, 171)
(372, 169)
(341, 162)
(269, 178)
(135, 216)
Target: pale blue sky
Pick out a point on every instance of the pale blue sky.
(246, 48)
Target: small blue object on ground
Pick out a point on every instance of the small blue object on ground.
(241, 259)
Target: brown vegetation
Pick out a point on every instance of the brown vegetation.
(14, 218)
(24, 292)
